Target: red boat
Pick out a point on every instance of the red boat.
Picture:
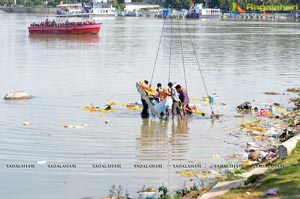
(86, 27)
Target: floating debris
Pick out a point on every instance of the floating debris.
(76, 126)
(26, 123)
(17, 96)
(199, 112)
(216, 156)
(134, 106)
(91, 108)
(246, 106)
(295, 90)
(106, 109)
(271, 93)
(42, 162)
(239, 115)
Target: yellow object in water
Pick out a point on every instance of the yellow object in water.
(97, 109)
(107, 111)
(112, 103)
(216, 156)
(132, 106)
(137, 107)
(90, 108)
(206, 99)
(200, 112)
(282, 111)
(187, 173)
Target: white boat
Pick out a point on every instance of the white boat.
(102, 8)
(73, 10)
(199, 11)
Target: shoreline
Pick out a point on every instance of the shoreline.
(44, 10)
(223, 17)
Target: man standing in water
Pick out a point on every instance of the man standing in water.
(176, 101)
(145, 111)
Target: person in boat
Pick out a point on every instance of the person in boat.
(184, 98)
(176, 101)
(46, 22)
(160, 96)
(159, 91)
(145, 111)
(53, 23)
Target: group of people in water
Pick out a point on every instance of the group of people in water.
(177, 100)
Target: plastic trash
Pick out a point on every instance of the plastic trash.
(26, 123)
(272, 191)
(76, 126)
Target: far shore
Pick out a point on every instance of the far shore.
(224, 16)
(27, 9)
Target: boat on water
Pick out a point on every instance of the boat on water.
(102, 8)
(197, 11)
(47, 27)
(73, 10)
(96, 8)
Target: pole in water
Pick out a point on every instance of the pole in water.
(213, 115)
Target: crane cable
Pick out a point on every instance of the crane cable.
(202, 77)
(170, 54)
(182, 57)
(162, 31)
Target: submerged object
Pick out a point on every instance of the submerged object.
(17, 96)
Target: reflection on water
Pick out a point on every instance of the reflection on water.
(64, 38)
(153, 139)
(163, 139)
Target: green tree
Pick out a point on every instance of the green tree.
(179, 4)
(119, 4)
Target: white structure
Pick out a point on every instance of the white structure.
(70, 7)
(135, 7)
(200, 11)
(103, 8)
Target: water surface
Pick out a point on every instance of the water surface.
(239, 59)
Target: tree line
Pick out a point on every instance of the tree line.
(176, 4)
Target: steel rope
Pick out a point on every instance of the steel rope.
(162, 31)
(183, 64)
(204, 84)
